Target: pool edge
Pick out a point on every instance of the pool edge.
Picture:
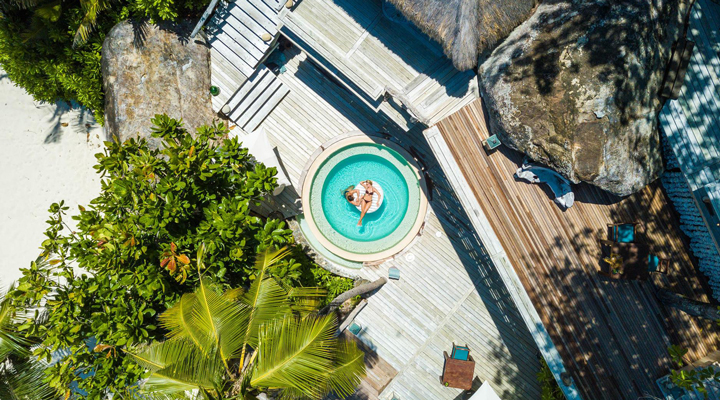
(323, 153)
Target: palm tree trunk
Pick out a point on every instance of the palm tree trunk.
(688, 306)
(357, 291)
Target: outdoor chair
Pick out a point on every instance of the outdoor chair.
(623, 233)
(355, 329)
(459, 368)
(394, 273)
(657, 264)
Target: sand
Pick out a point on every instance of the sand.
(46, 155)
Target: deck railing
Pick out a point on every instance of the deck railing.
(208, 12)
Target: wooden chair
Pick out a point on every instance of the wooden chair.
(657, 264)
(623, 232)
(459, 368)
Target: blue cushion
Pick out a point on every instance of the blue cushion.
(354, 328)
(461, 353)
(394, 273)
(625, 233)
(493, 142)
(653, 262)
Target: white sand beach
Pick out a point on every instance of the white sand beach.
(46, 155)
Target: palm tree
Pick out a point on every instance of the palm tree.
(237, 343)
(21, 374)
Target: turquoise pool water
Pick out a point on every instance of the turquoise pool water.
(343, 216)
(337, 219)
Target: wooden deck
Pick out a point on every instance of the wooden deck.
(374, 56)
(448, 290)
(612, 335)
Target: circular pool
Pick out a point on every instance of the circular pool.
(334, 221)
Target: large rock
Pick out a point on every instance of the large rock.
(575, 87)
(150, 70)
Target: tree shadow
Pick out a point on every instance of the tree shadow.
(62, 115)
(455, 223)
(402, 41)
(589, 27)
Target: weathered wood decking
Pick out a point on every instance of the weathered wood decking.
(612, 335)
(374, 56)
(448, 290)
(692, 122)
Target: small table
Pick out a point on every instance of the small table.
(634, 259)
(458, 373)
(491, 143)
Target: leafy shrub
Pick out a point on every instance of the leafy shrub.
(549, 389)
(129, 258)
(52, 49)
(298, 270)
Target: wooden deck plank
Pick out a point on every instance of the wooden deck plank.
(612, 335)
(449, 292)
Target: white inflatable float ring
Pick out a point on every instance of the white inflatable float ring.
(375, 203)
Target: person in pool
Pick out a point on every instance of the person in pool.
(364, 202)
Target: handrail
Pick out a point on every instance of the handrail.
(204, 18)
(405, 103)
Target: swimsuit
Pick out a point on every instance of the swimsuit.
(369, 192)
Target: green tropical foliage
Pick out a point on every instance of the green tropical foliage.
(52, 48)
(21, 374)
(129, 257)
(694, 379)
(237, 343)
(549, 388)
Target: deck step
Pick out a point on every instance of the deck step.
(237, 48)
(243, 91)
(253, 101)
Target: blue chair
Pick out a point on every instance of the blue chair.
(460, 352)
(394, 273)
(622, 233)
(657, 264)
(355, 329)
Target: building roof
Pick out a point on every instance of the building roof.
(692, 122)
(466, 28)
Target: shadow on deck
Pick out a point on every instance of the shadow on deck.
(456, 224)
(612, 335)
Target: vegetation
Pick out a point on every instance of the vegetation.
(695, 379)
(52, 48)
(130, 257)
(549, 389)
(20, 373)
(240, 343)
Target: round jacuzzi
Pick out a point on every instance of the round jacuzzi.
(333, 220)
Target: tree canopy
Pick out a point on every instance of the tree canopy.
(130, 256)
(52, 48)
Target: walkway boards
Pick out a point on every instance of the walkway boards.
(448, 290)
(248, 90)
(612, 336)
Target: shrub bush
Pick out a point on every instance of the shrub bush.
(52, 48)
(129, 257)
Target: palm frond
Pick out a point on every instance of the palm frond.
(176, 366)
(209, 320)
(23, 380)
(307, 299)
(296, 353)
(92, 9)
(348, 369)
(11, 341)
(266, 301)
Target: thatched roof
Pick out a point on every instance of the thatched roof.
(465, 28)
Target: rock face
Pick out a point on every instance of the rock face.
(149, 69)
(576, 88)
